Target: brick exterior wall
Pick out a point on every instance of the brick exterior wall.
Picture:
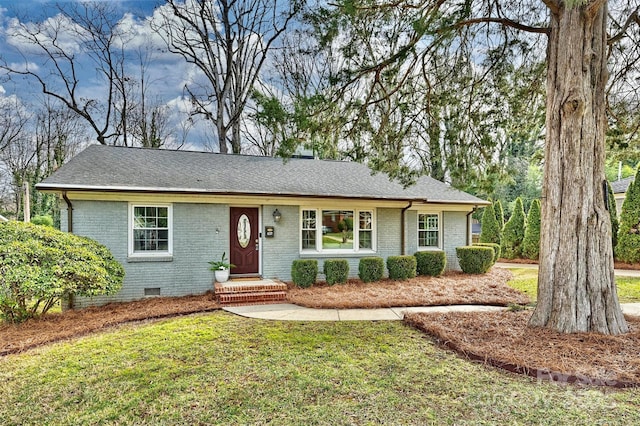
(196, 242)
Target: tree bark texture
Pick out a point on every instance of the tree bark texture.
(576, 286)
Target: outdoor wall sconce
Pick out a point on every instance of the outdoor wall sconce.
(277, 215)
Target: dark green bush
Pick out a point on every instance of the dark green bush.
(531, 242)
(513, 233)
(401, 267)
(613, 216)
(304, 272)
(336, 271)
(371, 269)
(42, 220)
(495, 247)
(475, 259)
(628, 248)
(431, 262)
(40, 265)
(491, 231)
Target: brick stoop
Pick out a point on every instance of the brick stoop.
(256, 292)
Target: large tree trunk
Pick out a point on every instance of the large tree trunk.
(576, 286)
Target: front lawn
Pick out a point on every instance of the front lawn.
(221, 369)
(526, 280)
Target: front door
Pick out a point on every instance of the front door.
(245, 243)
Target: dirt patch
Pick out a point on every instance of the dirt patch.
(453, 288)
(504, 340)
(16, 338)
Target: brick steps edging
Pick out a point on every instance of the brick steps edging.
(250, 294)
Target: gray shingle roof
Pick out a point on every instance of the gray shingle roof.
(621, 185)
(148, 170)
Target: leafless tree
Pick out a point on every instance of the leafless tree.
(228, 41)
(56, 44)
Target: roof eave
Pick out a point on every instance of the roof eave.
(59, 188)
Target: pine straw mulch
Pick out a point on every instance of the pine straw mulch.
(502, 339)
(15, 338)
(452, 288)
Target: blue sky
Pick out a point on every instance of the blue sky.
(167, 73)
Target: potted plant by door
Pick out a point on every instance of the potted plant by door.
(221, 268)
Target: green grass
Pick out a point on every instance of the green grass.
(526, 280)
(222, 369)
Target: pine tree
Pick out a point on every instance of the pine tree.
(613, 214)
(628, 248)
(490, 229)
(513, 233)
(531, 242)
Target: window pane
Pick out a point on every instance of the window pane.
(428, 230)
(308, 239)
(150, 228)
(337, 229)
(365, 239)
(365, 220)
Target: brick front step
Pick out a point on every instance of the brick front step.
(252, 298)
(250, 293)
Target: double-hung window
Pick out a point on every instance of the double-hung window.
(150, 230)
(428, 230)
(339, 230)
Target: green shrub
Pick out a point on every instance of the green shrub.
(304, 272)
(474, 259)
(499, 211)
(628, 248)
(431, 262)
(40, 265)
(513, 233)
(491, 232)
(336, 271)
(531, 242)
(42, 220)
(371, 269)
(401, 267)
(613, 216)
(496, 249)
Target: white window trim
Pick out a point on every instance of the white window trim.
(440, 231)
(150, 254)
(356, 232)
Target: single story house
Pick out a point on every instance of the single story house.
(619, 188)
(165, 214)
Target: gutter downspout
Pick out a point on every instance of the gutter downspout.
(469, 232)
(402, 228)
(70, 301)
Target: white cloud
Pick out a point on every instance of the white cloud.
(57, 32)
(2, 91)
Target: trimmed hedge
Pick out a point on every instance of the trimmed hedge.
(496, 249)
(430, 262)
(304, 272)
(42, 220)
(371, 269)
(336, 271)
(401, 267)
(475, 259)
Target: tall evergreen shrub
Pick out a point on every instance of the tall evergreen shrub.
(628, 248)
(613, 215)
(531, 242)
(490, 232)
(513, 233)
(497, 208)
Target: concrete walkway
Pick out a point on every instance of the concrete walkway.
(290, 312)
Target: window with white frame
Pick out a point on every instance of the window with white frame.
(428, 230)
(342, 230)
(150, 230)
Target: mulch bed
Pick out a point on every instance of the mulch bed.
(15, 338)
(503, 339)
(452, 288)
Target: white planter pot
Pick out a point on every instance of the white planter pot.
(222, 275)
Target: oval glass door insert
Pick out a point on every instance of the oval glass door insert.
(244, 231)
